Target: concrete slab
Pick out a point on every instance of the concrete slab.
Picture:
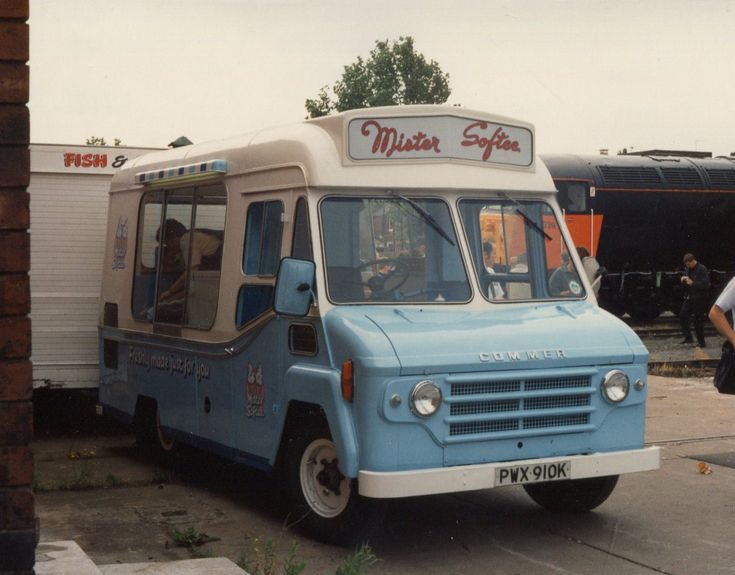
(63, 558)
(209, 566)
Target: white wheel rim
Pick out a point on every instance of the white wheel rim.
(320, 499)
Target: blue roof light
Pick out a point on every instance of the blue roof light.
(188, 172)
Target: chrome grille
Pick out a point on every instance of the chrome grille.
(555, 421)
(484, 427)
(485, 387)
(556, 402)
(484, 407)
(516, 407)
(557, 383)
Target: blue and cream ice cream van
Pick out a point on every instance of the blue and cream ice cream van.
(378, 304)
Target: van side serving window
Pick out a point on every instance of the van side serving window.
(261, 255)
(179, 256)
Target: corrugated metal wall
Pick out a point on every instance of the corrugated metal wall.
(68, 221)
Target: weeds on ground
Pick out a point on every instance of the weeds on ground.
(357, 563)
(261, 559)
(81, 479)
(192, 540)
(113, 480)
(188, 538)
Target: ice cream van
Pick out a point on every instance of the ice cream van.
(378, 304)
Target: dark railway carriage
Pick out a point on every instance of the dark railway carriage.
(640, 214)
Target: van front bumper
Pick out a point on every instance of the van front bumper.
(489, 475)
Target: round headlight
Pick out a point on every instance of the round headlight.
(426, 397)
(615, 386)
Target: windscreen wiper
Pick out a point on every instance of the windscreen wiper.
(427, 217)
(529, 221)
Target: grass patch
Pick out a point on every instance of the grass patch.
(80, 479)
(192, 540)
(357, 563)
(188, 537)
(112, 480)
(261, 559)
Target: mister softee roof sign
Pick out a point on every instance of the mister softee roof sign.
(439, 137)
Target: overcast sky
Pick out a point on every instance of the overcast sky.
(589, 74)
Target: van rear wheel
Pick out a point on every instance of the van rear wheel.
(323, 501)
(576, 495)
(148, 432)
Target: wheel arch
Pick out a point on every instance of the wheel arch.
(312, 396)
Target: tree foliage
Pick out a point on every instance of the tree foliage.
(96, 141)
(395, 74)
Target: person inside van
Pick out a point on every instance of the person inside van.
(564, 281)
(494, 289)
(205, 248)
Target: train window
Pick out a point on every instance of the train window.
(573, 196)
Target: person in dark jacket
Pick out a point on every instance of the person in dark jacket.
(694, 308)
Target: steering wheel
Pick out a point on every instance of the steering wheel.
(384, 283)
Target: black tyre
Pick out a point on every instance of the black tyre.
(576, 495)
(148, 433)
(323, 502)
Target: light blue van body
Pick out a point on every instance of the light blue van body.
(520, 380)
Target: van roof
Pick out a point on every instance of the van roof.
(320, 149)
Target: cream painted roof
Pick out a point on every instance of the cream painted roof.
(317, 148)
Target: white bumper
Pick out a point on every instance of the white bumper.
(483, 476)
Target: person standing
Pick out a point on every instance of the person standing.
(696, 288)
(494, 289)
(591, 268)
(725, 303)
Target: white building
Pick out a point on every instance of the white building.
(68, 195)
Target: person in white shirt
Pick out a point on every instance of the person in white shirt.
(591, 267)
(724, 303)
(494, 289)
(177, 238)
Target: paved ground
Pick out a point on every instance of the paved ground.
(121, 507)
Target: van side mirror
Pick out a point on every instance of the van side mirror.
(294, 284)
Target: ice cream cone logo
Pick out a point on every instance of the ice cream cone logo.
(255, 391)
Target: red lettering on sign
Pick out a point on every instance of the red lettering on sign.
(499, 140)
(389, 141)
(85, 160)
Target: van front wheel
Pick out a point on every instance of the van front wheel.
(325, 502)
(576, 495)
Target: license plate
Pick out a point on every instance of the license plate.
(534, 473)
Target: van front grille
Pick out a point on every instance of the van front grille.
(512, 407)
